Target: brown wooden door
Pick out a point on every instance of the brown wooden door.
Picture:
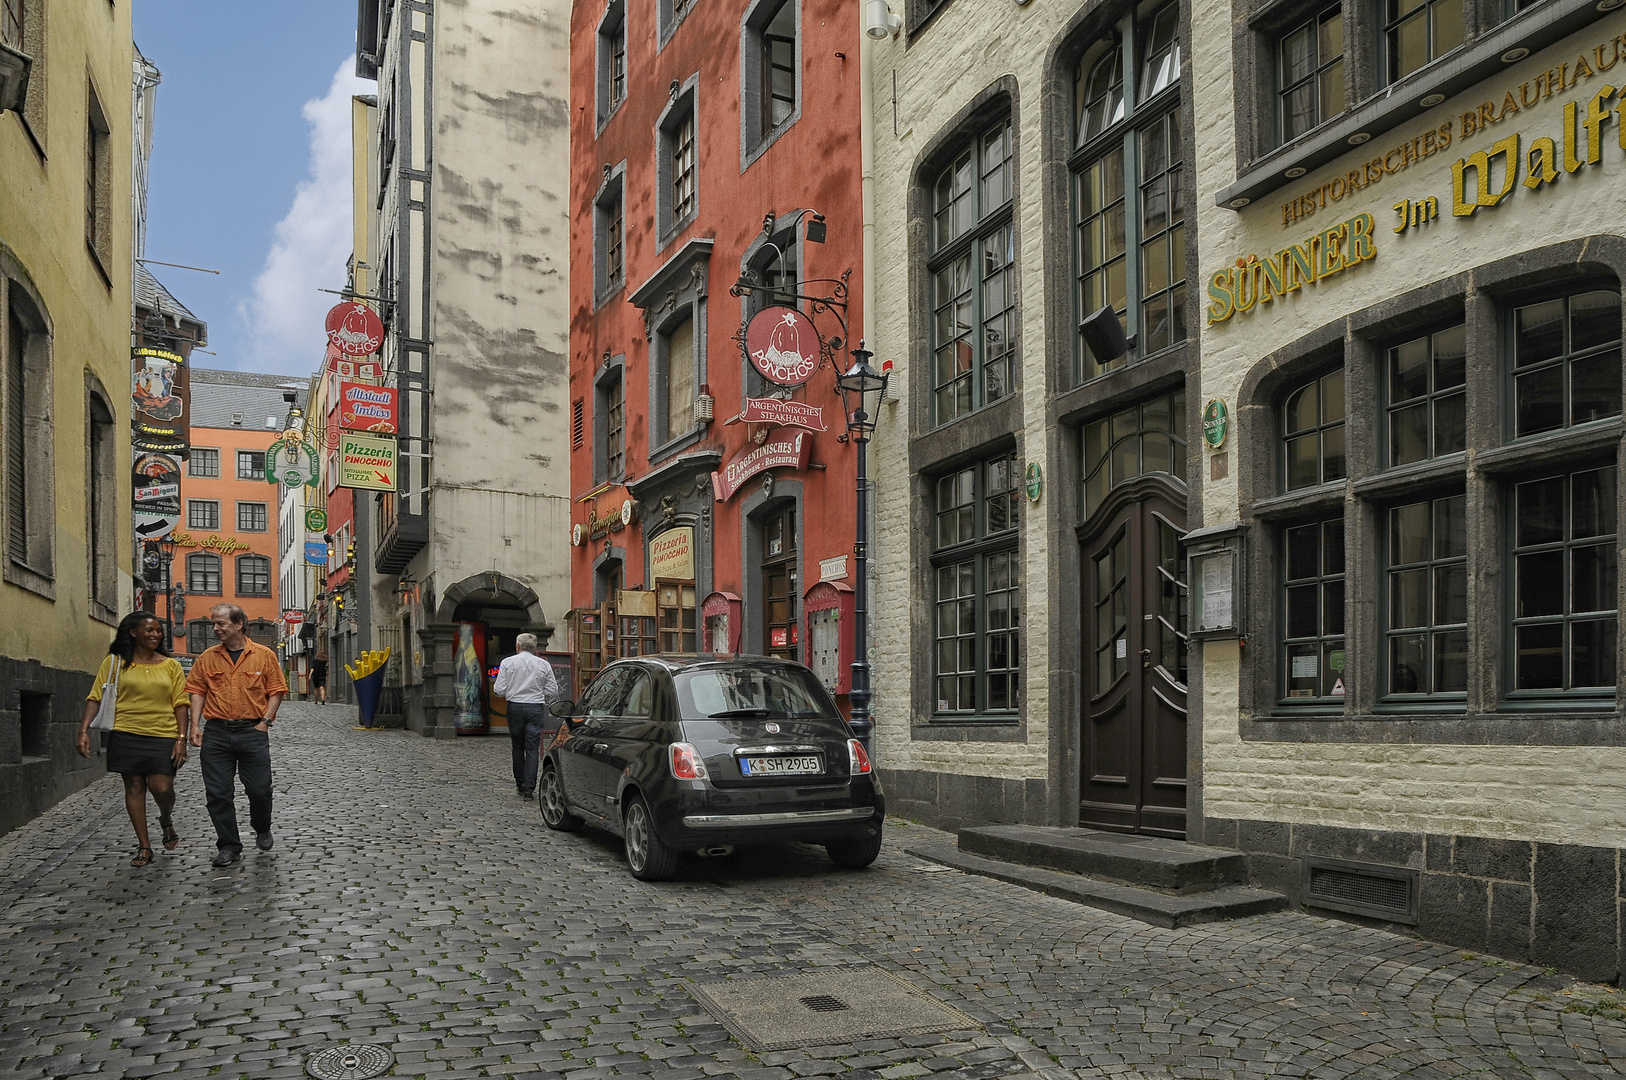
(1135, 641)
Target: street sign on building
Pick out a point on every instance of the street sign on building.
(293, 617)
(783, 345)
(367, 462)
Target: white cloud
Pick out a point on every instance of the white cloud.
(284, 315)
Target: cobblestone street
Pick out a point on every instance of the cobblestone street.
(412, 901)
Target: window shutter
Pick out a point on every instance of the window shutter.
(578, 423)
(16, 489)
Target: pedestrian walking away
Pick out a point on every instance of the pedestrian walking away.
(150, 710)
(527, 681)
(319, 679)
(236, 687)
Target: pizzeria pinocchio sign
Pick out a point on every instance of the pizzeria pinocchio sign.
(671, 555)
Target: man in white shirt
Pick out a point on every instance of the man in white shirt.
(527, 681)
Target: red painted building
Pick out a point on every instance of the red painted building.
(715, 172)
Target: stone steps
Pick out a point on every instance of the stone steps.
(1158, 881)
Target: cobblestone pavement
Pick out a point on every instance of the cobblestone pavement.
(414, 902)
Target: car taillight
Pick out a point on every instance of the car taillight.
(686, 763)
(857, 760)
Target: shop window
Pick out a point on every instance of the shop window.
(202, 514)
(1418, 32)
(1310, 73)
(203, 574)
(253, 575)
(1313, 609)
(1427, 396)
(1565, 584)
(977, 589)
(252, 517)
(250, 465)
(675, 611)
(1427, 598)
(1313, 432)
(1129, 187)
(612, 59)
(1566, 361)
(203, 463)
(769, 72)
(973, 276)
(1145, 438)
(780, 590)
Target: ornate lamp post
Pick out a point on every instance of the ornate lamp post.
(862, 388)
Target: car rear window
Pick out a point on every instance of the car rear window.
(726, 692)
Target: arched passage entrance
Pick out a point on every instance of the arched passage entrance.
(481, 617)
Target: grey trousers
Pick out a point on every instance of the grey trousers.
(525, 724)
(228, 753)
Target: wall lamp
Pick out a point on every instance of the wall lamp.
(879, 21)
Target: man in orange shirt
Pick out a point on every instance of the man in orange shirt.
(235, 688)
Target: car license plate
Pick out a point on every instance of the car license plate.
(780, 766)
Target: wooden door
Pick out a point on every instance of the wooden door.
(1135, 644)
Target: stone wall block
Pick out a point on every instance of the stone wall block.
(1509, 927)
(1220, 832)
(1358, 845)
(1437, 852)
(1034, 811)
(1269, 837)
(1278, 873)
(1505, 860)
(1576, 910)
(1454, 910)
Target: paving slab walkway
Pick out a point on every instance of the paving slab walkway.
(414, 902)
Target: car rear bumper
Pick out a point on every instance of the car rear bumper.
(789, 817)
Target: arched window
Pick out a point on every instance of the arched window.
(1129, 185)
(253, 575)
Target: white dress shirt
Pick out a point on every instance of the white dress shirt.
(526, 679)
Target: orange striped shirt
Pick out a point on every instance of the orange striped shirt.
(240, 691)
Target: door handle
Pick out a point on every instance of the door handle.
(1146, 658)
(601, 746)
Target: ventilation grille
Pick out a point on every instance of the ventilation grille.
(1382, 892)
(578, 423)
(824, 1003)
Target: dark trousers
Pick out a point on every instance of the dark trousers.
(525, 724)
(225, 754)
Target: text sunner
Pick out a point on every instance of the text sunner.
(1254, 280)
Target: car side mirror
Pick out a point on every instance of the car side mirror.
(563, 709)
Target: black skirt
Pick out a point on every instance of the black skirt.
(140, 755)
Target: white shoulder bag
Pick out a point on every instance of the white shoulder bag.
(110, 696)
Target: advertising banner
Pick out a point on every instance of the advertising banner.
(783, 413)
(780, 451)
(157, 495)
(367, 408)
(367, 462)
(315, 550)
(671, 555)
(159, 392)
(293, 462)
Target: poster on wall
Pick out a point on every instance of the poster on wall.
(156, 484)
(159, 393)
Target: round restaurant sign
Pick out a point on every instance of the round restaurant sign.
(1216, 423)
(354, 329)
(783, 345)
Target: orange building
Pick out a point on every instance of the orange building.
(226, 548)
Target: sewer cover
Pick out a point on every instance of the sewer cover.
(349, 1061)
(821, 1008)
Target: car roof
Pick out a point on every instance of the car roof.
(673, 664)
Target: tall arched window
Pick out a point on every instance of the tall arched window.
(1129, 185)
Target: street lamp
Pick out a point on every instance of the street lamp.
(862, 388)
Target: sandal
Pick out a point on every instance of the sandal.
(143, 857)
(171, 837)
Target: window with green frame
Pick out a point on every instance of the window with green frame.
(1128, 185)
(1149, 437)
(978, 580)
(973, 277)
(1565, 584)
(1313, 645)
(1427, 602)
(1566, 361)
(1427, 406)
(1313, 433)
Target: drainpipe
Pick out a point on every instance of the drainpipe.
(866, 169)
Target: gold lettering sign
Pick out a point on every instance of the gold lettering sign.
(1254, 280)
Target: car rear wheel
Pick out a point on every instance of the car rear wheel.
(855, 854)
(555, 811)
(647, 857)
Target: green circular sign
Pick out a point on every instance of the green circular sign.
(1216, 423)
(316, 520)
(1035, 481)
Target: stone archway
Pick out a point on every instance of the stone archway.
(482, 592)
(493, 587)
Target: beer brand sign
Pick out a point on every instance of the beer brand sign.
(781, 414)
(783, 345)
(785, 451)
(367, 408)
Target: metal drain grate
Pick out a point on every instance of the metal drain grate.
(349, 1061)
(824, 1003)
(1383, 892)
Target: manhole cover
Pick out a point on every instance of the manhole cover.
(814, 1009)
(349, 1061)
(824, 1003)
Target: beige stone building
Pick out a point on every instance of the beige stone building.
(1323, 567)
(65, 309)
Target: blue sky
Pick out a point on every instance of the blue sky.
(250, 169)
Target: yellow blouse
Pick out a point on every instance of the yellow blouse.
(148, 697)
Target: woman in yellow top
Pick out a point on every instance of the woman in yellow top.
(150, 721)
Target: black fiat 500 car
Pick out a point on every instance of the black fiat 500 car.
(703, 753)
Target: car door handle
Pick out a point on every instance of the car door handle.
(601, 746)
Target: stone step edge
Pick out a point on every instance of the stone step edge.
(1171, 866)
(1157, 909)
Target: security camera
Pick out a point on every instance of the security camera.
(879, 22)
